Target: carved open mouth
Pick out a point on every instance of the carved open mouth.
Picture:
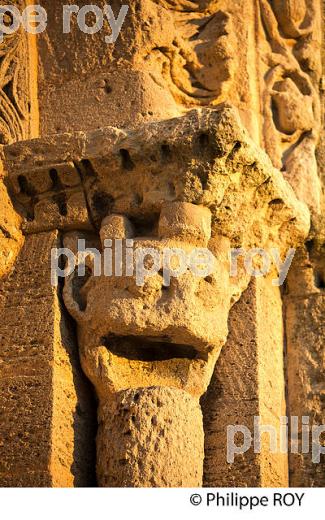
(139, 348)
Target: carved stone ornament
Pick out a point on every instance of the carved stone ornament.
(14, 83)
(291, 65)
(150, 350)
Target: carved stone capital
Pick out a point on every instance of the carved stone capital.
(194, 181)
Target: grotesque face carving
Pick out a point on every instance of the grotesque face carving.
(165, 307)
(197, 56)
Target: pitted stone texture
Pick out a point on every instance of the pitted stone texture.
(305, 331)
(248, 382)
(169, 56)
(150, 437)
(185, 221)
(116, 227)
(155, 332)
(46, 436)
(11, 238)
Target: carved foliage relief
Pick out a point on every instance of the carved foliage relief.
(14, 83)
(199, 61)
(291, 66)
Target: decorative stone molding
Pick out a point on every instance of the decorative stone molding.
(170, 57)
(150, 351)
(204, 158)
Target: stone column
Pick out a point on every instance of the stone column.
(47, 428)
(248, 386)
(293, 135)
(151, 437)
(45, 405)
(288, 70)
(305, 333)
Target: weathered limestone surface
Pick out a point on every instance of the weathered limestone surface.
(45, 404)
(180, 54)
(205, 157)
(305, 330)
(118, 321)
(18, 80)
(18, 120)
(169, 57)
(290, 69)
(264, 58)
(125, 181)
(11, 238)
(305, 311)
(150, 437)
(248, 382)
(191, 181)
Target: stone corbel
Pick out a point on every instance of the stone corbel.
(193, 181)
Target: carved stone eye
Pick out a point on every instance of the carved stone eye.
(116, 227)
(186, 222)
(8, 19)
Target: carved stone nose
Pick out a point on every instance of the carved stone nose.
(186, 222)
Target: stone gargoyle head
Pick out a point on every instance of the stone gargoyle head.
(159, 323)
(148, 346)
(189, 183)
